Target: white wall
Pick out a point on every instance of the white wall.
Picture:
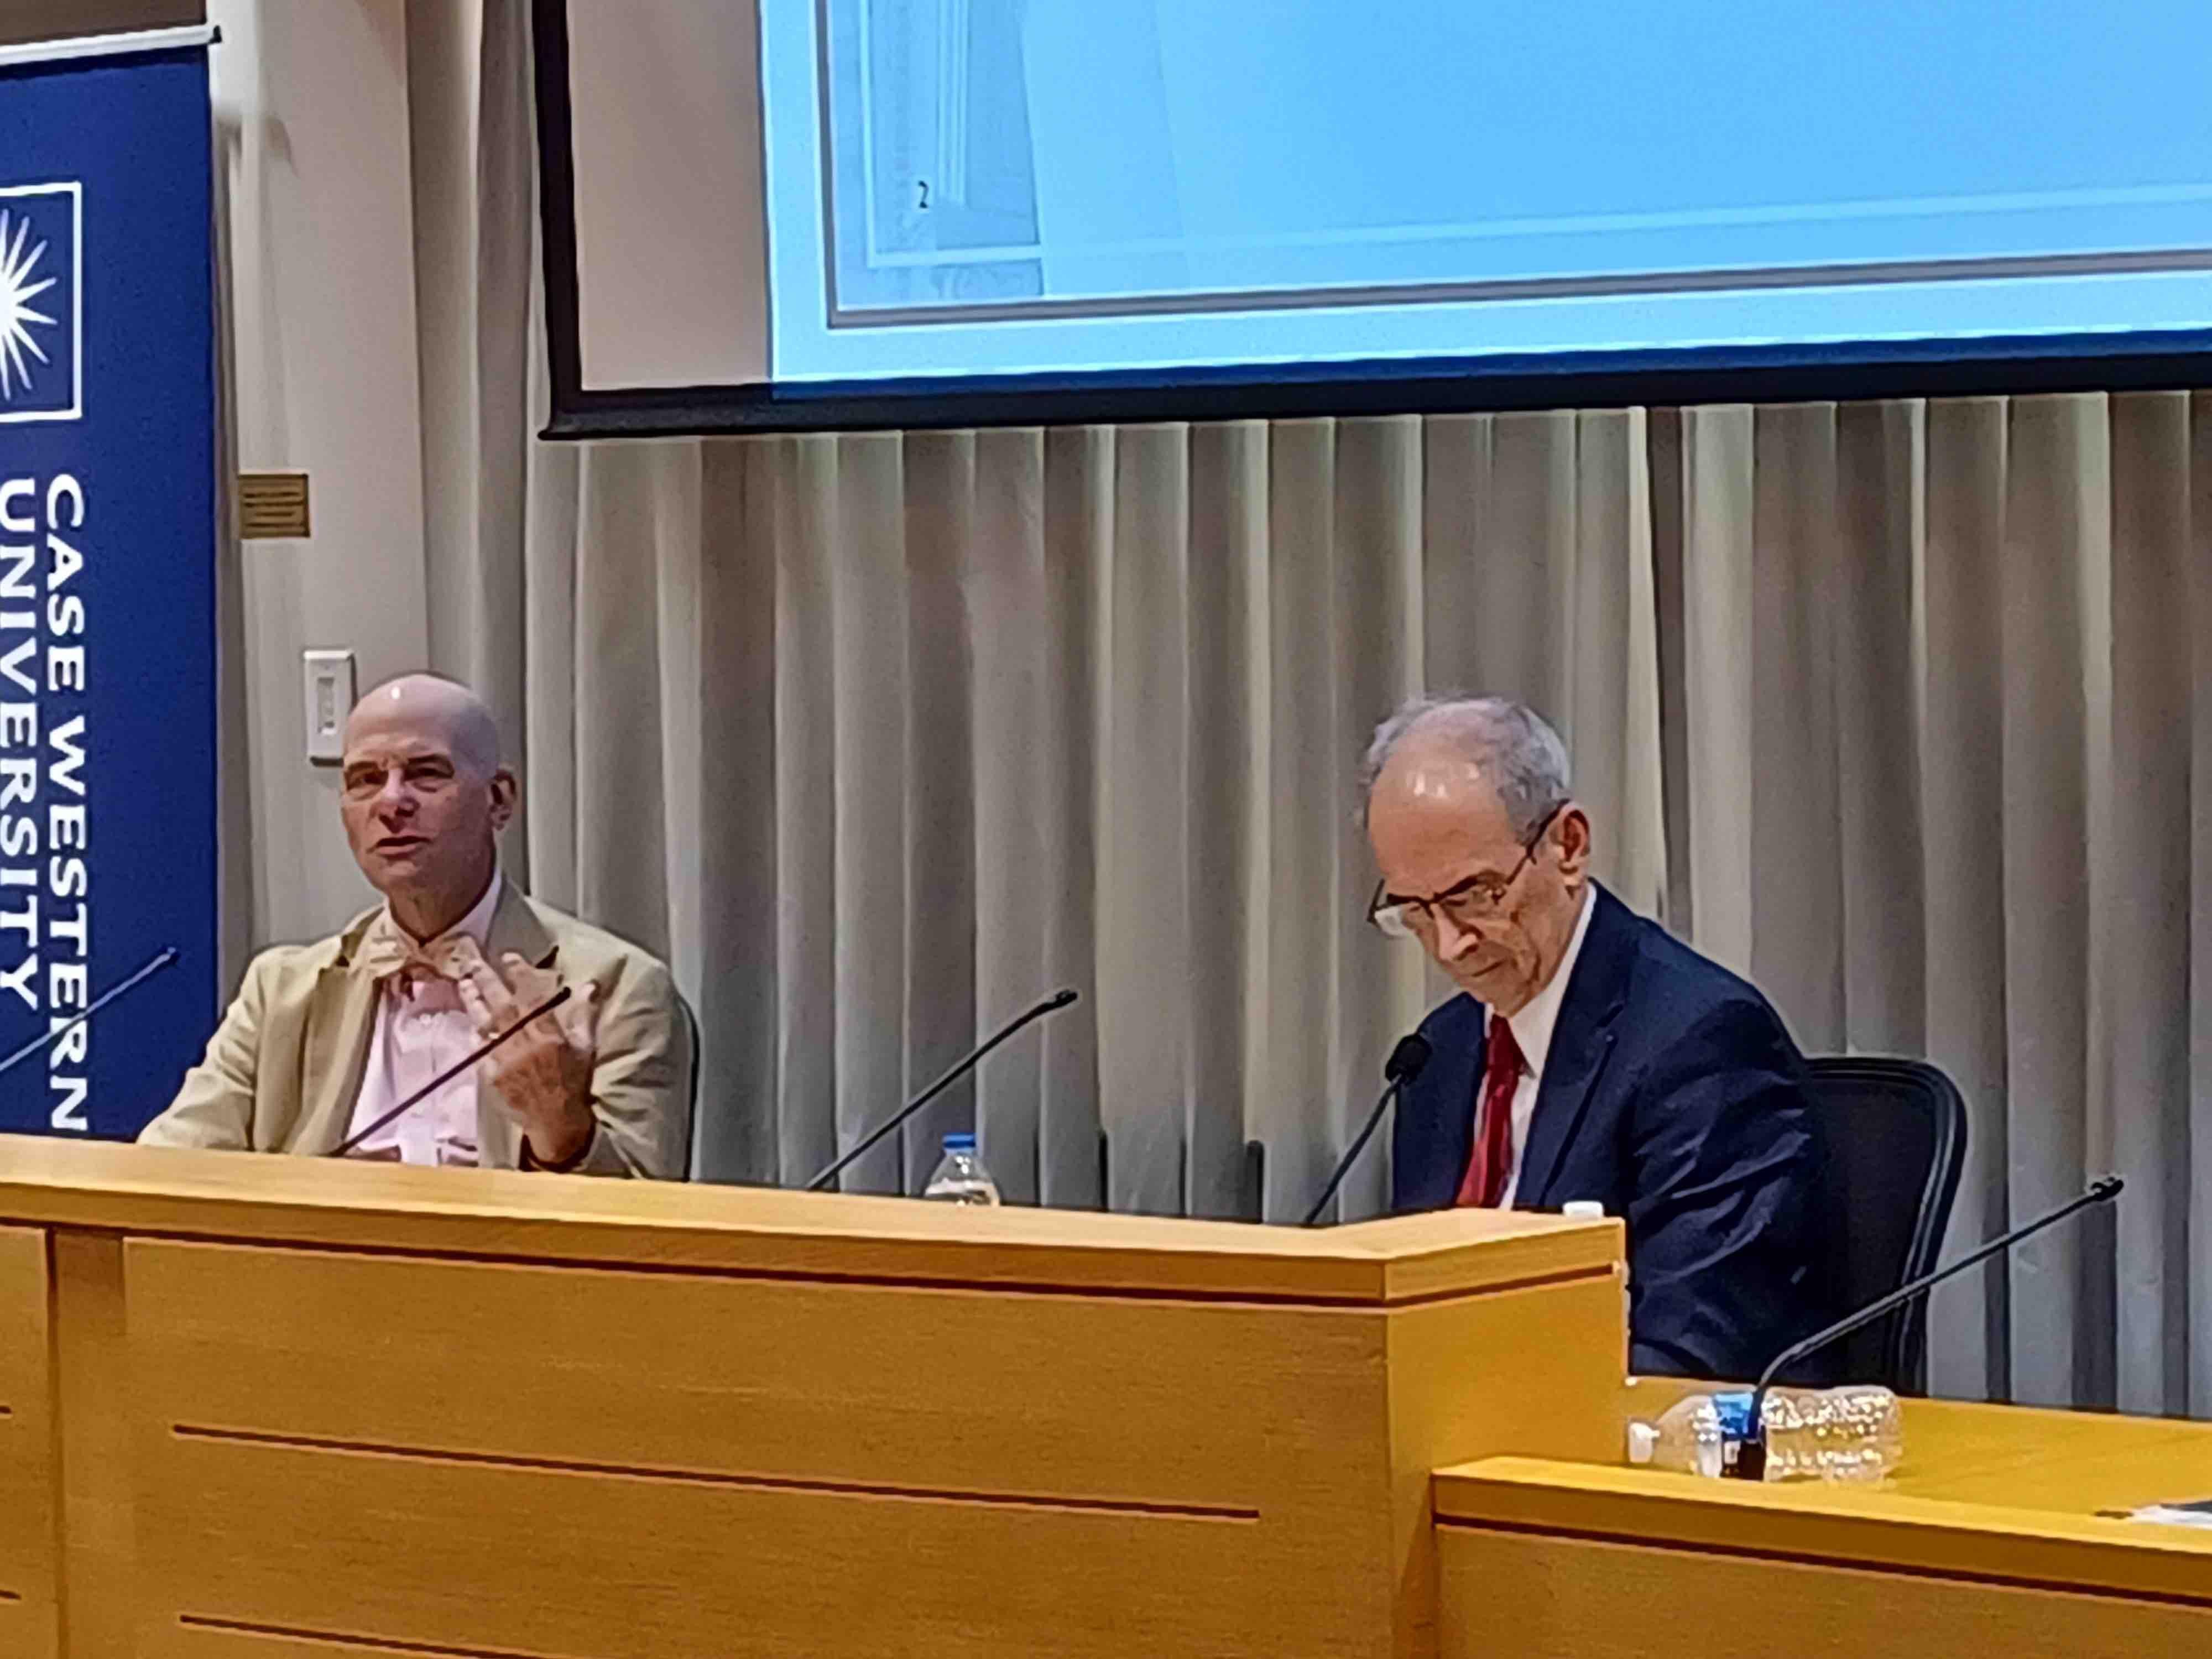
(313, 145)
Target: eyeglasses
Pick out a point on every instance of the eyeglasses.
(1477, 900)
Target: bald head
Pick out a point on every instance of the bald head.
(426, 798)
(434, 707)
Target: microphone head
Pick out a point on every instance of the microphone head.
(2105, 1188)
(1406, 1058)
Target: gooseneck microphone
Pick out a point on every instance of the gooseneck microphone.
(160, 959)
(1403, 1065)
(452, 1072)
(1052, 1004)
(1751, 1458)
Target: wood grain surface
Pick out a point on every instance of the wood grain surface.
(29, 1563)
(1990, 1539)
(351, 1409)
(505, 1214)
(1536, 1597)
(94, 1392)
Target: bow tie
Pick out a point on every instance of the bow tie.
(387, 951)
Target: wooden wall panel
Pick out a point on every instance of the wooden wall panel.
(520, 1561)
(1466, 1376)
(93, 1386)
(768, 1379)
(29, 1563)
(205, 1643)
(1535, 1597)
(482, 1455)
(332, 1410)
(26, 1629)
(750, 1465)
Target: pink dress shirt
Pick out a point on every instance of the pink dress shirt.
(421, 1030)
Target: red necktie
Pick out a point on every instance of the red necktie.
(1493, 1159)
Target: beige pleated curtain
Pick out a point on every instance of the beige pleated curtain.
(1904, 709)
(1945, 728)
(885, 737)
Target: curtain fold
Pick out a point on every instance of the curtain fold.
(1904, 709)
(881, 739)
(1946, 689)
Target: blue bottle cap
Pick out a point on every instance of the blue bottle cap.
(960, 1142)
(1732, 1407)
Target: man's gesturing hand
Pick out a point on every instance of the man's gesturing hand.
(544, 1072)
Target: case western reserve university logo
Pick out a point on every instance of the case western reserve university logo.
(41, 289)
(47, 530)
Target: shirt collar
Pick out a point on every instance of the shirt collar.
(476, 924)
(1532, 1026)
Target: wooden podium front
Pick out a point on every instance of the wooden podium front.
(255, 1407)
(1999, 1535)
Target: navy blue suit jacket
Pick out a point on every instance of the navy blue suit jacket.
(1674, 1096)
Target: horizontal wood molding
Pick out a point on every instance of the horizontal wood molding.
(672, 1227)
(1874, 1529)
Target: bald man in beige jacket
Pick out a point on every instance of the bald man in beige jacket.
(324, 1038)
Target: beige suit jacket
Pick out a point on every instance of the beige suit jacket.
(281, 1071)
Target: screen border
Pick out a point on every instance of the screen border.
(2167, 360)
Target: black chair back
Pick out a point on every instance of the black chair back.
(1896, 1132)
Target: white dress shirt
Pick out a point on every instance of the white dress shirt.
(1532, 1030)
(421, 1030)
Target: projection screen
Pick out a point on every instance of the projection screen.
(833, 213)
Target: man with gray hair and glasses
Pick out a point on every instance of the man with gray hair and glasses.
(1590, 1054)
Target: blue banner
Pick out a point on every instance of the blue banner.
(107, 522)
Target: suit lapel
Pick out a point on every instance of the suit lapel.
(515, 927)
(1451, 1090)
(1581, 1043)
(341, 1018)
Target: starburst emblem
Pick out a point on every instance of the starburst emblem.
(21, 285)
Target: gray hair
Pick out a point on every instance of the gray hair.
(1507, 741)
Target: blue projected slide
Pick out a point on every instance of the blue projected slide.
(989, 186)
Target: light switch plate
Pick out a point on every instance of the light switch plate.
(330, 693)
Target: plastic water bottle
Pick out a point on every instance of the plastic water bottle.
(1699, 1434)
(1854, 1433)
(1812, 1434)
(960, 1176)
